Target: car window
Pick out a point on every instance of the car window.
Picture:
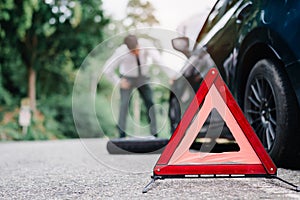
(216, 12)
(220, 8)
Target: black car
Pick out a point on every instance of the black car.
(256, 47)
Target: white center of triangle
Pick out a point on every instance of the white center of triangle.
(182, 155)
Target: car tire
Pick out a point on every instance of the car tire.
(174, 112)
(136, 145)
(271, 107)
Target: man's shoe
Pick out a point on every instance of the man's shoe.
(122, 135)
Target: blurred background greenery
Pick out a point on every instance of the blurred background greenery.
(42, 45)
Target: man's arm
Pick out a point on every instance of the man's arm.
(111, 65)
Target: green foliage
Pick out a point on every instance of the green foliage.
(140, 13)
(94, 120)
(52, 38)
(5, 7)
(10, 132)
(39, 129)
(91, 100)
(49, 36)
(104, 116)
(58, 115)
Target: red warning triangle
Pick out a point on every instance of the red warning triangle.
(178, 160)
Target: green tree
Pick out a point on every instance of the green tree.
(42, 45)
(140, 14)
(49, 38)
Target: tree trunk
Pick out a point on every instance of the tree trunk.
(31, 88)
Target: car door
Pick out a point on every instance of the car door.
(219, 33)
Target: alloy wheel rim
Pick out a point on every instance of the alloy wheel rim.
(260, 109)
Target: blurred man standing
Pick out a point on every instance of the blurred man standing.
(133, 69)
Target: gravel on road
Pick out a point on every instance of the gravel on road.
(83, 169)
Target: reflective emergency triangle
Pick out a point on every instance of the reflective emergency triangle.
(178, 160)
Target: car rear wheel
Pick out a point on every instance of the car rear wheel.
(270, 106)
(174, 112)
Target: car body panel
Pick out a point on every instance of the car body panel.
(255, 46)
(271, 27)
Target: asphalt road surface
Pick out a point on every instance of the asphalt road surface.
(82, 169)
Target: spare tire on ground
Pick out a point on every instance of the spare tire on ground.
(136, 145)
